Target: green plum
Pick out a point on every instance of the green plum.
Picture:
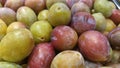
(49, 3)
(9, 65)
(3, 28)
(100, 21)
(16, 45)
(59, 14)
(103, 6)
(41, 31)
(26, 15)
(43, 15)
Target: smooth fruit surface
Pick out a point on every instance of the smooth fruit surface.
(74, 60)
(43, 15)
(17, 43)
(59, 14)
(9, 65)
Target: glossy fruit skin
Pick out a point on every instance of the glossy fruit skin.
(3, 29)
(71, 2)
(83, 21)
(104, 7)
(9, 65)
(15, 25)
(17, 43)
(59, 14)
(14, 4)
(79, 7)
(67, 59)
(114, 39)
(36, 5)
(7, 15)
(41, 31)
(88, 2)
(115, 17)
(49, 3)
(43, 15)
(63, 38)
(26, 16)
(94, 46)
(100, 21)
(41, 56)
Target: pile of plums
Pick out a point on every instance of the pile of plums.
(59, 34)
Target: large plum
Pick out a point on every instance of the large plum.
(16, 45)
(7, 15)
(68, 59)
(115, 17)
(49, 3)
(14, 4)
(79, 7)
(95, 46)
(100, 21)
(104, 7)
(43, 15)
(114, 38)
(36, 5)
(63, 38)
(83, 21)
(26, 16)
(59, 14)
(41, 56)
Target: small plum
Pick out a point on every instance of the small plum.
(79, 7)
(70, 3)
(63, 38)
(88, 2)
(83, 21)
(95, 46)
(68, 59)
(42, 56)
(43, 15)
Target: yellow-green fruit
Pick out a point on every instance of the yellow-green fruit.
(41, 31)
(9, 65)
(59, 14)
(16, 45)
(3, 28)
(43, 15)
(100, 21)
(103, 6)
(110, 25)
(113, 5)
(49, 3)
(26, 15)
(15, 25)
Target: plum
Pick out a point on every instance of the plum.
(68, 59)
(104, 7)
(3, 2)
(114, 39)
(49, 3)
(16, 45)
(7, 15)
(14, 4)
(41, 56)
(26, 16)
(63, 38)
(59, 14)
(79, 7)
(36, 5)
(3, 29)
(83, 21)
(100, 21)
(71, 2)
(9, 65)
(94, 46)
(41, 31)
(87, 2)
(43, 15)
(115, 17)
(15, 25)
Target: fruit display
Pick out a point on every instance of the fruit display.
(59, 34)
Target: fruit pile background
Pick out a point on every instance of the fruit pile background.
(59, 34)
